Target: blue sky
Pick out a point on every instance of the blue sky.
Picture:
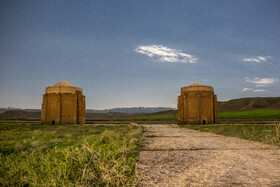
(138, 53)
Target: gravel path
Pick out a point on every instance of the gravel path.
(183, 157)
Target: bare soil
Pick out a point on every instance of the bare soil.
(183, 157)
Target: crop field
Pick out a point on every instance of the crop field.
(262, 113)
(252, 116)
(70, 155)
(269, 134)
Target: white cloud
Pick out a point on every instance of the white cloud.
(262, 81)
(257, 59)
(246, 89)
(259, 90)
(256, 90)
(165, 54)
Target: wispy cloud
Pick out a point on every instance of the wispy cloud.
(164, 54)
(256, 90)
(246, 89)
(262, 81)
(259, 90)
(257, 59)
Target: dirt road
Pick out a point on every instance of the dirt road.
(183, 157)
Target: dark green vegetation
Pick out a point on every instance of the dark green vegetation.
(262, 113)
(72, 155)
(252, 116)
(269, 134)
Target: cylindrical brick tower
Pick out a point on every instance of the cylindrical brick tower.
(197, 104)
(63, 103)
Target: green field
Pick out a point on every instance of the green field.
(259, 113)
(259, 116)
(72, 155)
(269, 134)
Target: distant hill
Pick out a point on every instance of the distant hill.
(132, 110)
(245, 104)
(18, 109)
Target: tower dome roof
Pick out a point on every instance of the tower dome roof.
(63, 87)
(196, 87)
(196, 84)
(64, 83)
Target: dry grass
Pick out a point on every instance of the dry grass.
(273, 137)
(277, 129)
(93, 156)
(263, 133)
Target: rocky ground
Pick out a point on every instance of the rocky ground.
(182, 157)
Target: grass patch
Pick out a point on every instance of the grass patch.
(72, 155)
(269, 134)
